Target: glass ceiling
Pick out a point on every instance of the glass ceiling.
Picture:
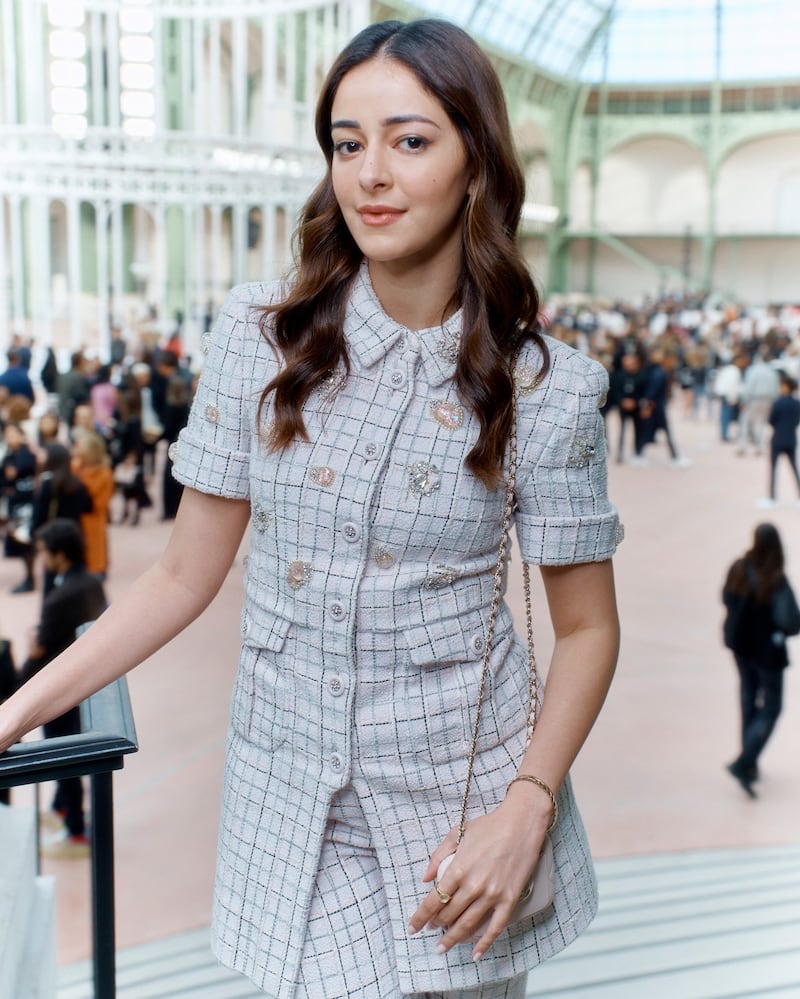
(639, 41)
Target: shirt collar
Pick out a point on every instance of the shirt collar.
(371, 334)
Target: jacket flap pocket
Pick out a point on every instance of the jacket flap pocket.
(450, 639)
(264, 628)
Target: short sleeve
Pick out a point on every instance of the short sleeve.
(564, 515)
(213, 450)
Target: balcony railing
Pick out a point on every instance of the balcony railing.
(107, 736)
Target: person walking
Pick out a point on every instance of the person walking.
(76, 598)
(363, 416)
(784, 418)
(756, 633)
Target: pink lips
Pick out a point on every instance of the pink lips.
(378, 215)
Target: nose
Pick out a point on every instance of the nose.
(374, 171)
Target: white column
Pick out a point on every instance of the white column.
(199, 252)
(217, 286)
(97, 96)
(158, 67)
(186, 73)
(199, 108)
(214, 107)
(239, 74)
(5, 333)
(38, 226)
(239, 240)
(189, 252)
(112, 50)
(103, 304)
(117, 260)
(290, 55)
(268, 265)
(269, 63)
(8, 17)
(34, 46)
(159, 269)
(17, 262)
(74, 266)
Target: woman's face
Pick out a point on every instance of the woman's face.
(399, 169)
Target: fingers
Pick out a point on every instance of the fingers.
(444, 849)
(466, 910)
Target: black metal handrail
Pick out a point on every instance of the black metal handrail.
(107, 736)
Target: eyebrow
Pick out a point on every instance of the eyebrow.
(398, 119)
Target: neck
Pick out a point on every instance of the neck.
(418, 298)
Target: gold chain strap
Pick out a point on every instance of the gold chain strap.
(497, 586)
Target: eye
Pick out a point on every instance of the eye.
(413, 143)
(347, 147)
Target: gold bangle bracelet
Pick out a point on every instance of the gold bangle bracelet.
(547, 790)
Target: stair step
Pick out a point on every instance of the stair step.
(710, 924)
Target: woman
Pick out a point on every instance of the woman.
(91, 464)
(758, 645)
(18, 470)
(61, 495)
(359, 417)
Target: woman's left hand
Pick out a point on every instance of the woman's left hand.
(488, 874)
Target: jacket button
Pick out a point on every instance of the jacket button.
(336, 686)
(351, 531)
(336, 762)
(398, 379)
(337, 610)
(477, 643)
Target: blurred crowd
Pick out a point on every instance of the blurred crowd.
(88, 441)
(737, 365)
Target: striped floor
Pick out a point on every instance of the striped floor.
(711, 924)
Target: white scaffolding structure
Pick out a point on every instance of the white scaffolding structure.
(152, 154)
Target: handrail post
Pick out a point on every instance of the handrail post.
(103, 920)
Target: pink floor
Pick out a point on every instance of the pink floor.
(650, 778)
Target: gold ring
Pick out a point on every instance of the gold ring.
(444, 898)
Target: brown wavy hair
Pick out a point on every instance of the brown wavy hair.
(494, 289)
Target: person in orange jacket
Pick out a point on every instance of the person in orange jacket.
(92, 465)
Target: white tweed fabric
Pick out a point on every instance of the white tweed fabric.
(366, 600)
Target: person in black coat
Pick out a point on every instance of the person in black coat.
(625, 392)
(17, 487)
(61, 495)
(784, 418)
(758, 645)
(77, 597)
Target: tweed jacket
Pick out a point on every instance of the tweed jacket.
(367, 591)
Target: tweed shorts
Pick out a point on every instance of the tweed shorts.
(348, 951)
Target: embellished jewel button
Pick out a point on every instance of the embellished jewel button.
(383, 558)
(322, 475)
(212, 414)
(336, 762)
(299, 573)
(351, 532)
(441, 575)
(398, 379)
(205, 341)
(581, 452)
(423, 478)
(261, 518)
(337, 611)
(449, 415)
(525, 378)
(172, 452)
(336, 686)
(619, 536)
(371, 450)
